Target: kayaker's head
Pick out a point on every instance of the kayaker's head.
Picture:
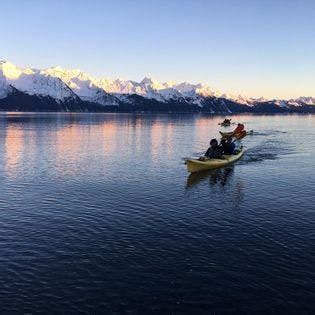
(213, 143)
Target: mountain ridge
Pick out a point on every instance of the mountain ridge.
(86, 93)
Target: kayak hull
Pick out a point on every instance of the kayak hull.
(194, 165)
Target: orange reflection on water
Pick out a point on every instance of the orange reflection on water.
(73, 143)
(156, 139)
(169, 139)
(108, 132)
(135, 133)
(68, 141)
(67, 149)
(207, 129)
(14, 146)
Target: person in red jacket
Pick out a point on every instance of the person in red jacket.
(238, 129)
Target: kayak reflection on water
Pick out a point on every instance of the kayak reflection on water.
(216, 177)
(222, 180)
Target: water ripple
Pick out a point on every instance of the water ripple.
(98, 215)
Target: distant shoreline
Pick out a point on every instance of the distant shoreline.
(161, 112)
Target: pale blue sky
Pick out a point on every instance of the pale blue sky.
(257, 48)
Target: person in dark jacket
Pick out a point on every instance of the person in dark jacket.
(214, 151)
(228, 146)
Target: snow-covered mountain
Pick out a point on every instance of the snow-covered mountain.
(89, 88)
(74, 86)
(33, 82)
(5, 87)
(82, 85)
(304, 100)
(161, 91)
(85, 86)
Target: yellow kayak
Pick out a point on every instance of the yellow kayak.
(194, 165)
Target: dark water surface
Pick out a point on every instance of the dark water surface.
(98, 215)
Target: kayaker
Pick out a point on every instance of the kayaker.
(239, 129)
(226, 122)
(214, 151)
(228, 146)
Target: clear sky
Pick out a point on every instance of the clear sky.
(256, 48)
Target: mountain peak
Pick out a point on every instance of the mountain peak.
(147, 80)
(6, 62)
(57, 68)
(9, 70)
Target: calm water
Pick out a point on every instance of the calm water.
(98, 215)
